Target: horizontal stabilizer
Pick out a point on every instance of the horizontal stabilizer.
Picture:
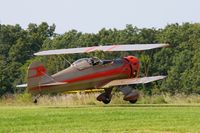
(50, 84)
(21, 86)
(143, 80)
(118, 47)
(54, 84)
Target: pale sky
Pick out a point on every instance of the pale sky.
(92, 15)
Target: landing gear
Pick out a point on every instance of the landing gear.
(35, 101)
(133, 101)
(106, 96)
(35, 98)
(130, 94)
(106, 101)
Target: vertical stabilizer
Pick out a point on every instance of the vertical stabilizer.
(36, 75)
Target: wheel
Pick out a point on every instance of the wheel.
(35, 101)
(133, 101)
(106, 101)
(105, 97)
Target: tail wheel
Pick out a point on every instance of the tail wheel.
(35, 101)
(35, 98)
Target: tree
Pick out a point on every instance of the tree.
(180, 61)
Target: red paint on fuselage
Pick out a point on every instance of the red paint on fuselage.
(125, 70)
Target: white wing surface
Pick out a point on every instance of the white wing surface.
(127, 47)
(143, 80)
(51, 84)
(21, 86)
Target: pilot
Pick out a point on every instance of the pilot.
(95, 61)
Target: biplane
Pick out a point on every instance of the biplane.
(92, 73)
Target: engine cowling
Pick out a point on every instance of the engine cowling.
(134, 65)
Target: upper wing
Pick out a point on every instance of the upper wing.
(143, 80)
(127, 47)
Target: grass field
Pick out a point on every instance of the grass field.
(101, 119)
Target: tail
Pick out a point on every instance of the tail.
(37, 75)
(38, 78)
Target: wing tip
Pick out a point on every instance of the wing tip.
(21, 86)
(166, 44)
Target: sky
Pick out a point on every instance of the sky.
(90, 16)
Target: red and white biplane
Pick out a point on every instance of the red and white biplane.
(92, 73)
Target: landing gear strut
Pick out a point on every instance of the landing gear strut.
(106, 96)
(35, 99)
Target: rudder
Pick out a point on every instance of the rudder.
(36, 73)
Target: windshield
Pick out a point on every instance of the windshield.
(86, 62)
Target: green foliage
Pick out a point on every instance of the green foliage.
(17, 46)
(154, 99)
(24, 98)
(180, 61)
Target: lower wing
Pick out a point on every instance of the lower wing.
(143, 80)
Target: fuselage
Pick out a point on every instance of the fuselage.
(90, 73)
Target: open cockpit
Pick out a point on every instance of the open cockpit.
(89, 62)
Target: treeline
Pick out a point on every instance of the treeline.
(181, 61)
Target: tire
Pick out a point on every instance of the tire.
(107, 101)
(133, 101)
(35, 101)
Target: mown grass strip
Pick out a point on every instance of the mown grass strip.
(97, 119)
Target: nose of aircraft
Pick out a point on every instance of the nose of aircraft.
(134, 64)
